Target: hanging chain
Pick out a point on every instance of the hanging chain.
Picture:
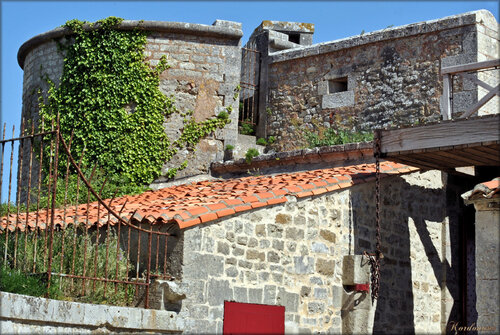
(375, 259)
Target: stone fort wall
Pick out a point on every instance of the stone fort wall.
(386, 78)
(204, 73)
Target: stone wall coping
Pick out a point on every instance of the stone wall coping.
(465, 19)
(222, 29)
(303, 156)
(29, 309)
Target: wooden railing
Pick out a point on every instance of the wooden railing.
(466, 71)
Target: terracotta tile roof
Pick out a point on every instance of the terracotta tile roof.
(486, 189)
(192, 204)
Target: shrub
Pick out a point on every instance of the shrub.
(250, 154)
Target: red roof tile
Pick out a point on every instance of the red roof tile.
(204, 201)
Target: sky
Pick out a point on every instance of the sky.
(21, 20)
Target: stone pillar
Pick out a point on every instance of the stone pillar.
(487, 205)
(357, 311)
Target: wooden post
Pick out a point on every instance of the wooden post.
(446, 111)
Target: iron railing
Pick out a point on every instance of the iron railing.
(62, 234)
(249, 95)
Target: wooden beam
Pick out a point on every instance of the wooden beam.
(440, 135)
(470, 67)
(446, 112)
(465, 161)
(481, 102)
(476, 81)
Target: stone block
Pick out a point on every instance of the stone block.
(303, 264)
(287, 299)
(283, 218)
(214, 266)
(269, 295)
(218, 291)
(232, 272)
(319, 247)
(255, 295)
(325, 267)
(315, 307)
(255, 255)
(241, 294)
(356, 270)
(336, 100)
(320, 293)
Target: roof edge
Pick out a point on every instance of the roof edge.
(220, 28)
(449, 22)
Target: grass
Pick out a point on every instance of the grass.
(332, 136)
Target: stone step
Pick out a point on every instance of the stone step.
(244, 143)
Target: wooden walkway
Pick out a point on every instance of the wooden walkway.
(445, 145)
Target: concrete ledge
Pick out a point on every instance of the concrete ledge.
(449, 22)
(21, 311)
(298, 160)
(222, 29)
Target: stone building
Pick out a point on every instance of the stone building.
(293, 233)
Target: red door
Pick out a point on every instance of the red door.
(240, 318)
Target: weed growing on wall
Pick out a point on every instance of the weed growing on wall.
(110, 98)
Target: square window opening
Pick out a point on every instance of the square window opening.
(337, 85)
(294, 37)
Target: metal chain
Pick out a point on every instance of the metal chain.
(375, 259)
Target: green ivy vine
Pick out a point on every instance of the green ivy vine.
(109, 97)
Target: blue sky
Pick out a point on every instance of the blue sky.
(21, 20)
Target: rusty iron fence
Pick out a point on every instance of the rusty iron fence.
(249, 95)
(56, 228)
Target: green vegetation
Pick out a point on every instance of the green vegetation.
(261, 141)
(250, 154)
(332, 136)
(110, 98)
(25, 270)
(247, 127)
(229, 147)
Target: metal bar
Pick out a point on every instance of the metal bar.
(118, 243)
(75, 220)
(87, 183)
(28, 195)
(9, 194)
(63, 233)
(148, 274)
(481, 102)
(470, 67)
(1, 186)
(40, 163)
(27, 136)
(86, 223)
(99, 279)
(165, 257)
(157, 251)
(18, 194)
(53, 211)
(107, 248)
(48, 200)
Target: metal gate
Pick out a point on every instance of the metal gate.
(249, 94)
(61, 236)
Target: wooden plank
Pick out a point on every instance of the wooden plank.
(481, 102)
(440, 135)
(471, 152)
(435, 162)
(470, 67)
(446, 112)
(412, 162)
(488, 152)
(463, 159)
